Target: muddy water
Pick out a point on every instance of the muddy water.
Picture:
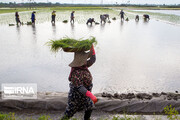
(131, 56)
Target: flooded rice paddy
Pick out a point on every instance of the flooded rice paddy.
(131, 56)
(168, 16)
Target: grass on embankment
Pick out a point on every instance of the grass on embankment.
(172, 114)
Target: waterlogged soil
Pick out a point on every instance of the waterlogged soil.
(131, 56)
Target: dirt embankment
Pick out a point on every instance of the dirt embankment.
(116, 103)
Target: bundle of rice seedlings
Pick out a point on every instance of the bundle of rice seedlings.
(127, 19)
(29, 23)
(71, 45)
(96, 23)
(114, 18)
(65, 21)
(109, 21)
(11, 24)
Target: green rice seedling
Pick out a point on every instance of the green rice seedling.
(127, 19)
(3, 116)
(65, 21)
(114, 18)
(96, 23)
(71, 45)
(29, 23)
(11, 24)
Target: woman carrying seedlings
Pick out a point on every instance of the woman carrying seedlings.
(17, 18)
(80, 96)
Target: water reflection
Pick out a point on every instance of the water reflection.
(34, 32)
(54, 29)
(130, 61)
(72, 29)
(18, 32)
(102, 26)
(90, 27)
(121, 25)
(145, 21)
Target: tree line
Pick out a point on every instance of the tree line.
(49, 4)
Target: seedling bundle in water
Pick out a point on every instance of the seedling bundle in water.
(72, 45)
(65, 21)
(29, 23)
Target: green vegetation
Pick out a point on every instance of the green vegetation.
(13, 10)
(11, 24)
(29, 23)
(20, 9)
(77, 8)
(9, 116)
(71, 45)
(172, 113)
(65, 21)
(44, 117)
(114, 18)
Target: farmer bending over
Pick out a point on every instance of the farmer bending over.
(146, 17)
(90, 20)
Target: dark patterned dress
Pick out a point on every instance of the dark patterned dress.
(79, 76)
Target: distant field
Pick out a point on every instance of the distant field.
(147, 8)
(10, 10)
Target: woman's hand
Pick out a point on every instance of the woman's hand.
(92, 49)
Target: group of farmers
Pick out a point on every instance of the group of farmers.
(80, 96)
(33, 18)
(90, 20)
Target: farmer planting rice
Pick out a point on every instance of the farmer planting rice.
(146, 17)
(103, 18)
(17, 18)
(72, 17)
(122, 15)
(137, 18)
(33, 18)
(90, 20)
(106, 16)
(79, 96)
(53, 17)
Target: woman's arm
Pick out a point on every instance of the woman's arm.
(92, 59)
